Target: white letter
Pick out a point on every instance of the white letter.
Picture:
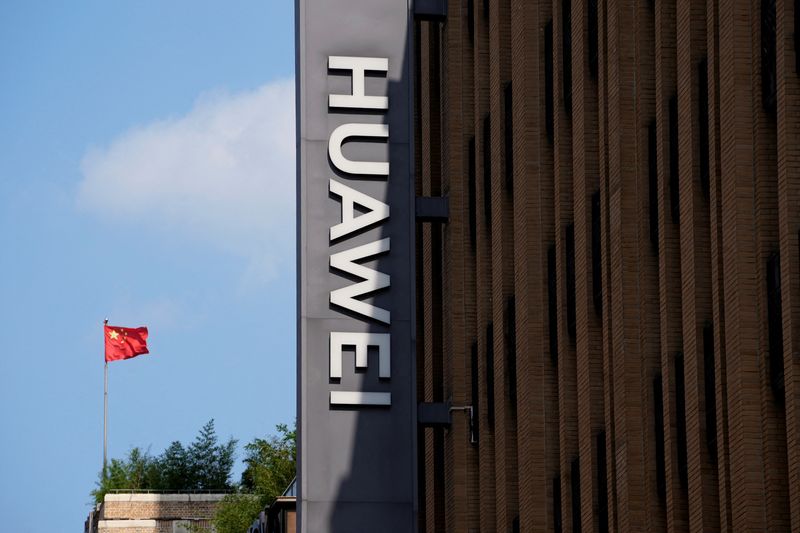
(373, 280)
(350, 222)
(360, 398)
(358, 65)
(361, 341)
(357, 130)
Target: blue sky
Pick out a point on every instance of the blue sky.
(146, 175)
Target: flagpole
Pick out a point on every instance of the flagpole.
(105, 409)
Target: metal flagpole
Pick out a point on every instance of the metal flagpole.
(105, 408)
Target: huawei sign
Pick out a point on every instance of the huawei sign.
(371, 212)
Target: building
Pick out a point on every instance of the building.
(616, 290)
(280, 516)
(153, 513)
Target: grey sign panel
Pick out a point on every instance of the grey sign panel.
(356, 326)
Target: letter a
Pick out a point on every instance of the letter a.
(350, 222)
(373, 280)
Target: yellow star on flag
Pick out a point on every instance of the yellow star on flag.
(113, 334)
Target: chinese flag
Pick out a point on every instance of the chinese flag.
(124, 343)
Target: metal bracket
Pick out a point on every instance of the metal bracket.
(439, 414)
(432, 208)
(473, 438)
(435, 10)
(432, 415)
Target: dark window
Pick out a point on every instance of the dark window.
(515, 525)
(652, 175)
(797, 36)
(471, 20)
(508, 140)
(476, 397)
(557, 527)
(566, 53)
(768, 56)
(709, 384)
(575, 491)
(702, 77)
(570, 250)
(472, 191)
(548, 78)
(438, 478)
(511, 351)
(552, 302)
(674, 185)
(602, 483)
(658, 414)
(490, 374)
(680, 415)
(487, 172)
(597, 271)
(775, 326)
(486, 9)
(592, 22)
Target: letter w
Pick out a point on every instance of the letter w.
(373, 280)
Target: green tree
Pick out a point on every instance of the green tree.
(139, 470)
(270, 467)
(206, 464)
(237, 511)
(210, 463)
(174, 466)
(271, 463)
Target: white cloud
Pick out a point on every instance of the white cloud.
(223, 174)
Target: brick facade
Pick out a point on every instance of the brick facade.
(160, 506)
(152, 513)
(636, 163)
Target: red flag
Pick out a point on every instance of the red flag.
(124, 343)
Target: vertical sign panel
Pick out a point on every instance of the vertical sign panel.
(356, 346)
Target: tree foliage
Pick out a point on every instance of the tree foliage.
(270, 467)
(203, 465)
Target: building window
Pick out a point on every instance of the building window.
(548, 79)
(674, 184)
(658, 415)
(490, 375)
(702, 79)
(476, 397)
(557, 521)
(797, 36)
(471, 185)
(593, 46)
(486, 10)
(471, 20)
(552, 302)
(768, 56)
(597, 271)
(680, 415)
(775, 327)
(709, 384)
(515, 525)
(602, 483)
(566, 53)
(570, 264)
(575, 491)
(487, 172)
(652, 180)
(511, 351)
(508, 140)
